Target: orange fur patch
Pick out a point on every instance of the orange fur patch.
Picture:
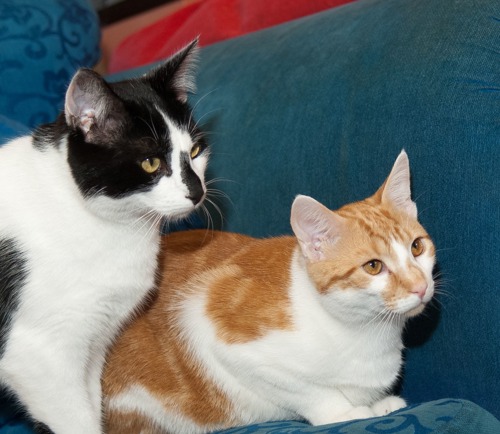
(251, 296)
(150, 352)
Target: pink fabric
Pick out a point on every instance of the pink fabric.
(212, 21)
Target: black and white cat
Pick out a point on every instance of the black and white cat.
(81, 202)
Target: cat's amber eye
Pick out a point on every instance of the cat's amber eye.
(417, 247)
(195, 151)
(373, 267)
(150, 165)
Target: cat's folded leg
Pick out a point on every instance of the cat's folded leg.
(388, 405)
(334, 408)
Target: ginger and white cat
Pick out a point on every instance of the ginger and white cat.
(81, 201)
(247, 330)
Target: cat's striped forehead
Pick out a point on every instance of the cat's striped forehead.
(380, 224)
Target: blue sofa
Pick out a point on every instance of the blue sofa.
(322, 106)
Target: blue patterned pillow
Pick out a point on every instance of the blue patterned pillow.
(442, 416)
(10, 129)
(42, 43)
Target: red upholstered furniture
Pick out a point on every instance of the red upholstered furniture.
(213, 21)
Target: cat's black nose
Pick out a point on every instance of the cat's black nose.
(196, 195)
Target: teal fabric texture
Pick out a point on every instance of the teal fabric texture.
(42, 44)
(10, 129)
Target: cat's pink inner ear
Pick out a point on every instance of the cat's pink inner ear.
(396, 190)
(314, 225)
(91, 106)
(82, 104)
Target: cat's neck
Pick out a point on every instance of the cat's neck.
(48, 185)
(322, 311)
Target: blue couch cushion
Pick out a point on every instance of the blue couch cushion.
(10, 129)
(442, 416)
(42, 43)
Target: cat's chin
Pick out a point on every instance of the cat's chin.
(415, 311)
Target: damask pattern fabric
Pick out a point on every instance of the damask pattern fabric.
(443, 416)
(42, 43)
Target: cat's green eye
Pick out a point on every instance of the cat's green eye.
(417, 247)
(373, 267)
(150, 165)
(195, 151)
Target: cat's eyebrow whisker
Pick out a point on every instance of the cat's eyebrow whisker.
(211, 181)
(151, 127)
(197, 124)
(198, 102)
(445, 249)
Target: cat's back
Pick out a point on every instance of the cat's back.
(203, 248)
(214, 257)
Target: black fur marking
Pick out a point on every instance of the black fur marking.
(191, 180)
(12, 277)
(113, 167)
(41, 428)
(10, 402)
(128, 127)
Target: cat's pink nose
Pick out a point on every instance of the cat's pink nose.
(420, 290)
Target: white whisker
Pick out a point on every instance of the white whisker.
(217, 208)
(198, 102)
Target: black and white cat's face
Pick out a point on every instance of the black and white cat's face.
(133, 146)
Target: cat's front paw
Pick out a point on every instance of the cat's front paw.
(388, 405)
(355, 413)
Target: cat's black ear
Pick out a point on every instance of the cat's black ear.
(396, 189)
(93, 107)
(176, 74)
(315, 226)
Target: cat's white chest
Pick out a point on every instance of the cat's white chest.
(85, 274)
(83, 263)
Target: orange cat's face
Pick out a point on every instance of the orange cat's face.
(371, 258)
